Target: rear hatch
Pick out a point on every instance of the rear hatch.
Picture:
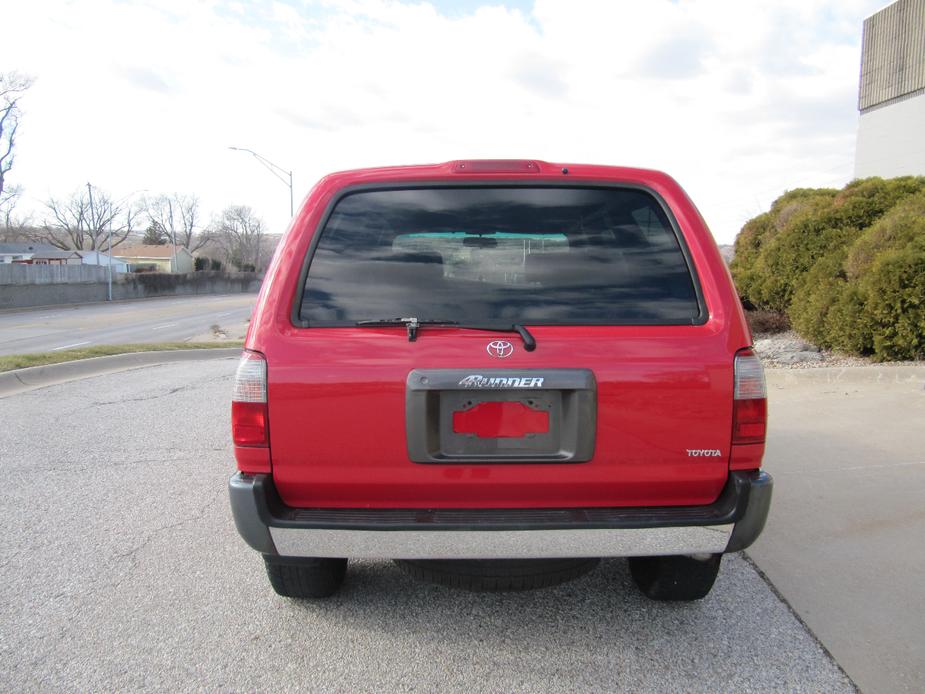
(499, 346)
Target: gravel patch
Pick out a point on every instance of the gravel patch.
(788, 350)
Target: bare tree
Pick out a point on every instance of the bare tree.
(239, 233)
(8, 202)
(12, 86)
(84, 221)
(176, 218)
(17, 231)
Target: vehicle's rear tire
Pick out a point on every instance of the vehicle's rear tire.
(492, 575)
(675, 578)
(308, 577)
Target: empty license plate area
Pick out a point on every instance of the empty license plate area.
(495, 419)
(520, 416)
(500, 423)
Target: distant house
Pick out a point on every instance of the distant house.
(37, 254)
(98, 258)
(156, 258)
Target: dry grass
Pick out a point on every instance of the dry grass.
(21, 361)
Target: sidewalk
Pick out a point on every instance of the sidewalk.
(844, 541)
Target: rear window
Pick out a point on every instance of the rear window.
(499, 255)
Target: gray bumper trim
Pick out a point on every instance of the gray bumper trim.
(731, 523)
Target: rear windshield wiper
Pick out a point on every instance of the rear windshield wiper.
(529, 342)
(411, 323)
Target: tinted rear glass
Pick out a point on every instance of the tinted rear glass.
(499, 255)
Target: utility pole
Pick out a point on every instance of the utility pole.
(97, 250)
(92, 213)
(109, 260)
(173, 235)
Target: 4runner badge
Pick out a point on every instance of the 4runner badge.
(479, 381)
(500, 348)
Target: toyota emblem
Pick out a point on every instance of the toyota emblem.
(500, 348)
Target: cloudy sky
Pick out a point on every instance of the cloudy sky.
(739, 101)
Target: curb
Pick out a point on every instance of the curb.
(34, 377)
(847, 375)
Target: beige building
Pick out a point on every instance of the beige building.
(164, 258)
(891, 98)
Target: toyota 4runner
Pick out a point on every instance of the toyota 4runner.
(496, 372)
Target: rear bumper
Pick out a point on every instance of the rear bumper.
(729, 524)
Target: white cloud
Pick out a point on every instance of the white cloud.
(738, 101)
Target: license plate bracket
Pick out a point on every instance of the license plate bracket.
(435, 397)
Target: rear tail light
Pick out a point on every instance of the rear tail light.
(750, 411)
(249, 421)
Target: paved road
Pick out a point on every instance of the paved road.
(844, 541)
(121, 569)
(169, 319)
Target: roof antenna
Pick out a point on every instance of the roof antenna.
(565, 171)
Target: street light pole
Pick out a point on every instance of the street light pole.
(109, 249)
(274, 169)
(109, 259)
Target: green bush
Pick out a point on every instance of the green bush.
(847, 267)
(791, 255)
(200, 263)
(895, 304)
(863, 201)
(814, 299)
(904, 224)
(847, 324)
(760, 266)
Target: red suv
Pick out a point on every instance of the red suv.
(496, 372)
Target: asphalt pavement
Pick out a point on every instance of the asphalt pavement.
(121, 569)
(165, 319)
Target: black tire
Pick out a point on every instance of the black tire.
(493, 575)
(305, 578)
(675, 578)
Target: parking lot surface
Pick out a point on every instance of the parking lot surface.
(122, 570)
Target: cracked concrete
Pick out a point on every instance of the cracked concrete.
(132, 553)
(122, 570)
(167, 393)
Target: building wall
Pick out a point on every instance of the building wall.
(162, 264)
(185, 262)
(893, 53)
(891, 96)
(891, 140)
(103, 260)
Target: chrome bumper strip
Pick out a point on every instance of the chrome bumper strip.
(500, 544)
